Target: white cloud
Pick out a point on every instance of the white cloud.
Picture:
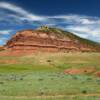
(2, 40)
(85, 29)
(85, 32)
(5, 32)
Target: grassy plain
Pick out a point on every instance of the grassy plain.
(41, 76)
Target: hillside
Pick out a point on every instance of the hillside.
(61, 33)
(50, 40)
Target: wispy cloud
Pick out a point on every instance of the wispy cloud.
(5, 32)
(82, 19)
(3, 40)
(20, 11)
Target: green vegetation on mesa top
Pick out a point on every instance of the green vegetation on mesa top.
(61, 34)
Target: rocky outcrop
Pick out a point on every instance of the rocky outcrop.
(45, 39)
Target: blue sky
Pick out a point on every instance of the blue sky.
(82, 17)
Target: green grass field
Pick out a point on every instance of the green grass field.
(41, 77)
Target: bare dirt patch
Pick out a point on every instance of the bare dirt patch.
(79, 71)
(97, 74)
(8, 61)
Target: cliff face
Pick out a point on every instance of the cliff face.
(47, 39)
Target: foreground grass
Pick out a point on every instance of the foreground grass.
(53, 98)
(40, 85)
(42, 75)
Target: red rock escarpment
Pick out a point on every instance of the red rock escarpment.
(34, 40)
